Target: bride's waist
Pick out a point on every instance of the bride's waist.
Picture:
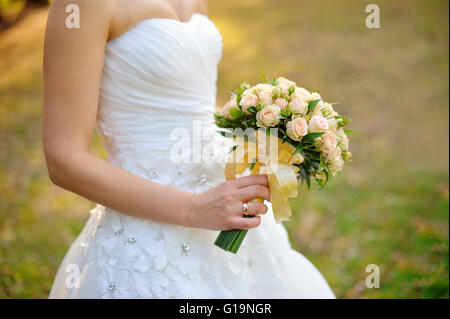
(192, 176)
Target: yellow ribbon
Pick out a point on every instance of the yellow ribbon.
(270, 156)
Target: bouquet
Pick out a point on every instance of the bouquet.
(286, 132)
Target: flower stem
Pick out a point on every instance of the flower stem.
(230, 240)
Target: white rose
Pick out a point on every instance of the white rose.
(263, 87)
(328, 142)
(297, 128)
(265, 93)
(319, 105)
(284, 84)
(248, 100)
(343, 138)
(334, 155)
(268, 116)
(231, 104)
(298, 106)
(315, 96)
(335, 161)
(333, 124)
(282, 103)
(297, 158)
(336, 166)
(301, 94)
(318, 123)
(328, 110)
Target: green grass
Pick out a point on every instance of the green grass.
(390, 205)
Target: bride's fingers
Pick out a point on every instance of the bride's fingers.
(248, 193)
(256, 208)
(256, 179)
(245, 223)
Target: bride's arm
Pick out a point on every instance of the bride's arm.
(73, 62)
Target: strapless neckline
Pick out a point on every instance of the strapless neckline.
(169, 20)
(195, 14)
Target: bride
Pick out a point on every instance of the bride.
(138, 70)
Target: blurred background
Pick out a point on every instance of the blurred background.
(390, 207)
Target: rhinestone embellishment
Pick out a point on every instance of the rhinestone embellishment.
(112, 286)
(203, 179)
(130, 240)
(153, 173)
(185, 248)
(117, 233)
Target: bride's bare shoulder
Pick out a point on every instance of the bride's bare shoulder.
(115, 17)
(93, 15)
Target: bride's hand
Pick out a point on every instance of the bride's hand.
(221, 207)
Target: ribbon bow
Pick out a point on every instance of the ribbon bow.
(270, 156)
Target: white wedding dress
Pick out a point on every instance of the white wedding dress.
(161, 75)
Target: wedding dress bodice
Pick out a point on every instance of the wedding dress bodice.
(160, 77)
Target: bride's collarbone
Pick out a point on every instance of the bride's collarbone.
(127, 14)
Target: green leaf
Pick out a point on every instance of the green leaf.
(251, 165)
(259, 107)
(350, 132)
(298, 149)
(251, 122)
(323, 166)
(274, 81)
(312, 105)
(312, 136)
(218, 115)
(252, 109)
(245, 86)
(233, 148)
(224, 133)
(263, 77)
(235, 113)
(342, 120)
(238, 99)
(291, 90)
(305, 176)
(281, 116)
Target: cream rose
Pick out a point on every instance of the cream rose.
(315, 96)
(281, 103)
(336, 166)
(343, 139)
(301, 94)
(284, 84)
(265, 93)
(248, 99)
(297, 128)
(328, 110)
(328, 142)
(319, 105)
(231, 104)
(297, 158)
(268, 116)
(333, 124)
(263, 87)
(298, 106)
(318, 123)
(334, 156)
